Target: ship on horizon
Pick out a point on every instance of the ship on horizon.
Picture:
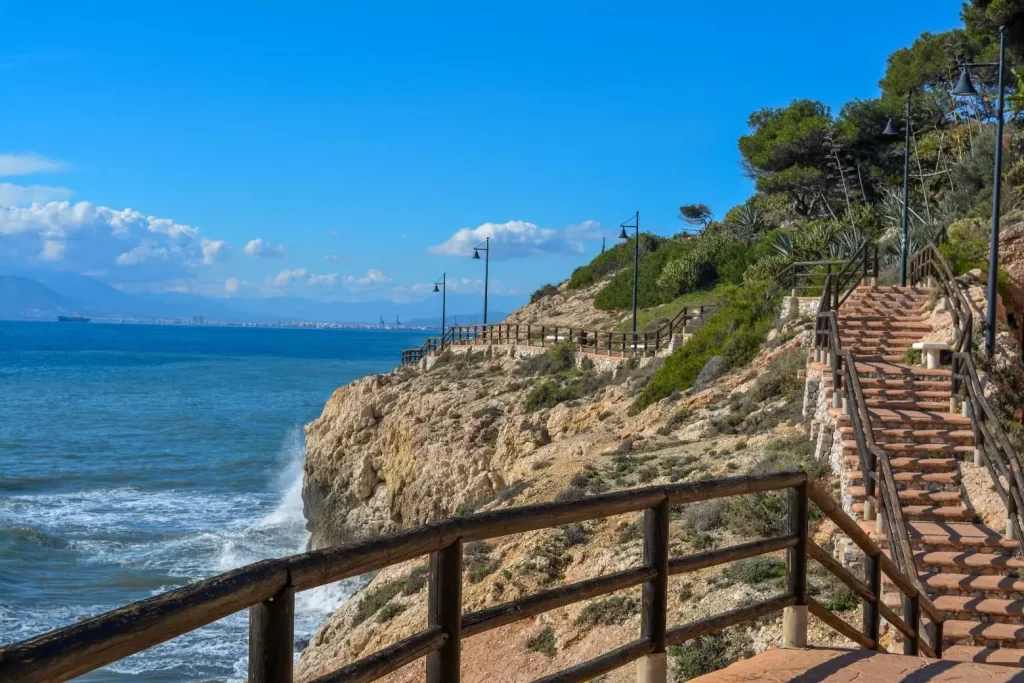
(76, 318)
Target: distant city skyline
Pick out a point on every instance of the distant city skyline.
(344, 153)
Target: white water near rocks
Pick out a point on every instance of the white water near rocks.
(139, 459)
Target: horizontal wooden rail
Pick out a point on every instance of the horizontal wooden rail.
(681, 634)
(610, 661)
(83, 647)
(392, 658)
(712, 558)
(510, 612)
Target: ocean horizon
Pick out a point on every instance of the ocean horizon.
(140, 458)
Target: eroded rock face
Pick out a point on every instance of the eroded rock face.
(397, 450)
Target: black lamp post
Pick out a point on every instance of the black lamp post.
(964, 88)
(891, 129)
(444, 299)
(636, 261)
(486, 248)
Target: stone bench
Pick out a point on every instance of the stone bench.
(931, 352)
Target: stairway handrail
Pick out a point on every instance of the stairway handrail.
(1003, 459)
(875, 465)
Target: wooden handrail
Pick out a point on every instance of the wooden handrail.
(83, 647)
(624, 343)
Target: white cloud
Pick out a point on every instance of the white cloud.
(328, 280)
(516, 239)
(20, 195)
(147, 251)
(231, 285)
(213, 251)
(372, 278)
(286, 276)
(258, 248)
(94, 238)
(335, 257)
(53, 250)
(27, 164)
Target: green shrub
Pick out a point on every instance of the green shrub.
(558, 359)
(476, 557)
(756, 570)
(549, 394)
(734, 332)
(618, 293)
(617, 609)
(390, 611)
(376, 598)
(757, 515)
(618, 257)
(545, 291)
(633, 532)
(416, 580)
(700, 656)
(543, 642)
(575, 534)
(843, 601)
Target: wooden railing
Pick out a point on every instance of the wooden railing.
(808, 278)
(268, 588)
(601, 342)
(992, 447)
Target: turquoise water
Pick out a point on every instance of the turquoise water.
(138, 458)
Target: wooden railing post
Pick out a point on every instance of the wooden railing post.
(444, 609)
(794, 618)
(654, 667)
(912, 615)
(272, 638)
(872, 611)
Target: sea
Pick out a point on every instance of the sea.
(135, 459)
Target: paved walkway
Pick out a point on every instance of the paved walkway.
(861, 666)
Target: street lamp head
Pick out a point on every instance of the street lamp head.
(476, 254)
(623, 235)
(890, 129)
(436, 290)
(964, 87)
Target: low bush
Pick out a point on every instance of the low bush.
(376, 598)
(734, 332)
(549, 394)
(543, 642)
(416, 580)
(390, 611)
(575, 534)
(545, 291)
(617, 609)
(756, 570)
(712, 652)
(612, 260)
(476, 557)
(559, 358)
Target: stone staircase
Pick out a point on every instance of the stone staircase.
(970, 570)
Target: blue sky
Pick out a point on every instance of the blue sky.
(356, 140)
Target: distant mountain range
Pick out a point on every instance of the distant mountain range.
(43, 295)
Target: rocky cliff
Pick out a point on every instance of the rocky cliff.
(482, 431)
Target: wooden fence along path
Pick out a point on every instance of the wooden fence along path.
(600, 342)
(268, 590)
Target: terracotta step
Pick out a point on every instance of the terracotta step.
(906, 464)
(973, 583)
(943, 436)
(900, 449)
(975, 563)
(874, 369)
(951, 535)
(906, 394)
(1001, 656)
(959, 630)
(882, 323)
(904, 383)
(911, 496)
(933, 513)
(905, 418)
(895, 404)
(915, 480)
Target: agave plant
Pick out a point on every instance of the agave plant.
(747, 223)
